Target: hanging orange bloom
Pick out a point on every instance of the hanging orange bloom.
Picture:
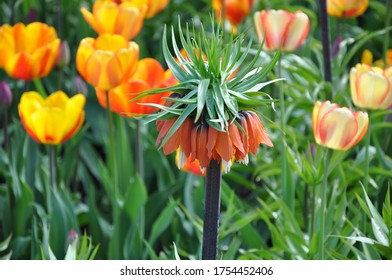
(204, 143)
(338, 128)
(28, 52)
(185, 164)
(280, 26)
(116, 17)
(347, 8)
(53, 120)
(236, 10)
(371, 87)
(149, 75)
(107, 61)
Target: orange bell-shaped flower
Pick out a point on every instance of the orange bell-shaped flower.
(53, 120)
(347, 8)
(149, 75)
(28, 52)
(371, 87)
(124, 18)
(280, 27)
(204, 143)
(107, 61)
(338, 128)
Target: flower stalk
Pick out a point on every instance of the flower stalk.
(139, 149)
(326, 43)
(211, 210)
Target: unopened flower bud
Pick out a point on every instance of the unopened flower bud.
(72, 237)
(81, 86)
(5, 94)
(64, 55)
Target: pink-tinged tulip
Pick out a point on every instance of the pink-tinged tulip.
(236, 10)
(338, 128)
(280, 27)
(124, 18)
(371, 87)
(28, 52)
(346, 8)
(5, 94)
(107, 61)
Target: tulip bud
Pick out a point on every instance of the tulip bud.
(81, 86)
(32, 15)
(72, 236)
(64, 55)
(336, 46)
(5, 94)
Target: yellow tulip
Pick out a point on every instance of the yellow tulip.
(53, 120)
(107, 61)
(281, 27)
(28, 52)
(124, 18)
(371, 87)
(347, 8)
(338, 128)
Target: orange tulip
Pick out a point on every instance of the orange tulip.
(53, 120)
(107, 61)
(149, 75)
(371, 87)
(338, 128)
(203, 142)
(116, 17)
(153, 6)
(280, 26)
(28, 52)
(236, 10)
(346, 8)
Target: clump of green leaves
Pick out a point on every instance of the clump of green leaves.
(216, 78)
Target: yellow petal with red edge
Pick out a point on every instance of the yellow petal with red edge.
(276, 23)
(338, 128)
(353, 85)
(258, 21)
(74, 114)
(372, 90)
(362, 120)
(128, 59)
(30, 102)
(83, 53)
(297, 31)
(48, 125)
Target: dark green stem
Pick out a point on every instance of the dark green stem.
(211, 210)
(52, 166)
(326, 43)
(139, 149)
(387, 24)
(323, 207)
(5, 130)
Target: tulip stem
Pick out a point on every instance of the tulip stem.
(139, 149)
(366, 171)
(211, 210)
(39, 87)
(326, 43)
(387, 24)
(52, 170)
(288, 192)
(323, 197)
(5, 130)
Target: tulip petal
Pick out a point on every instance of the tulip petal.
(276, 24)
(372, 90)
(297, 31)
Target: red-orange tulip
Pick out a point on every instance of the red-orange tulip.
(280, 26)
(149, 75)
(30, 51)
(347, 8)
(338, 128)
(107, 61)
(116, 17)
(236, 10)
(203, 142)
